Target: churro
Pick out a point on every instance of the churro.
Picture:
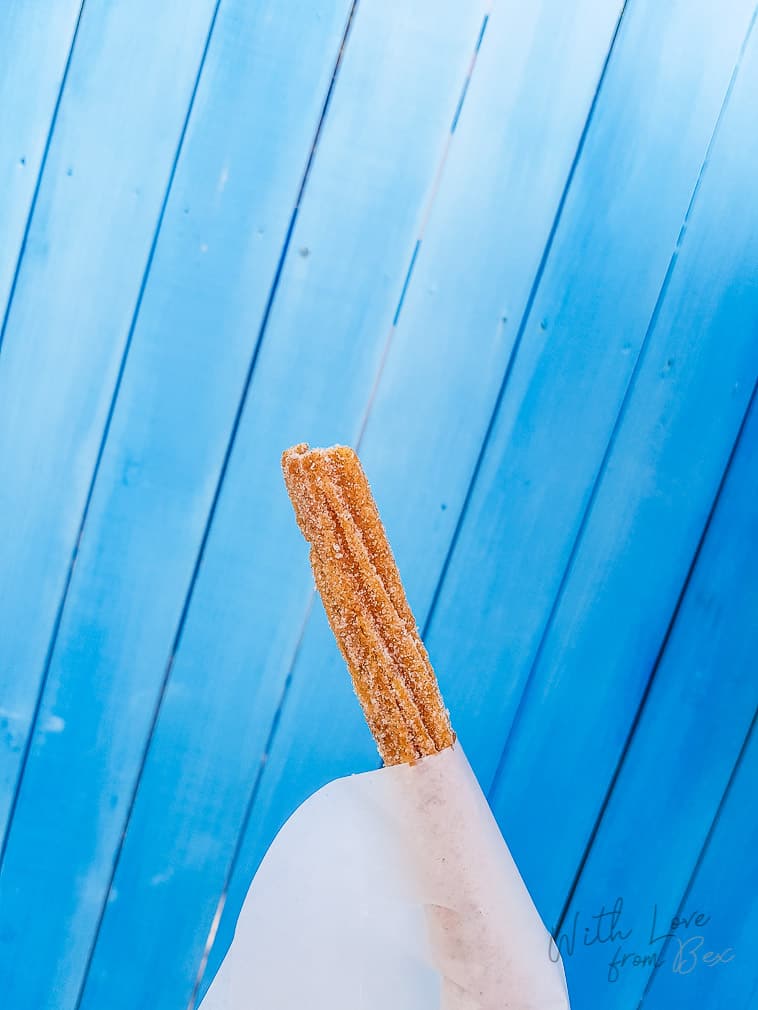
(365, 603)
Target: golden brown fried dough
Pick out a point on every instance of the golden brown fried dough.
(365, 603)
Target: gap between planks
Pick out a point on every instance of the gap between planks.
(38, 183)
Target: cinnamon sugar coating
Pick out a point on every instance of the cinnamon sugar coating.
(365, 603)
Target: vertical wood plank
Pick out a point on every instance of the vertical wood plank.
(696, 717)
(362, 258)
(358, 218)
(222, 232)
(119, 122)
(450, 347)
(660, 477)
(35, 42)
(645, 147)
(120, 119)
(725, 887)
(621, 222)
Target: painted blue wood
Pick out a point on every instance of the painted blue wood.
(390, 295)
(35, 41)
(119, 122)
(227, 217)
(620, 224)
(677, 428)
(696, 717)
(450, 347)
(340, 282)
(725, 887)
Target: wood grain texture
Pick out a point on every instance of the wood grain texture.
(228, 215)
(121, 116)
(131, 77)
(634, 181)
(678, 425)
(509, 251)
(334, 301)
(447, 350)
(708, 666)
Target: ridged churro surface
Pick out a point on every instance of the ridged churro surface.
(365, 603)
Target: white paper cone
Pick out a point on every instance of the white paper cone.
(391, 889)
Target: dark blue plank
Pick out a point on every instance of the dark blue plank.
(725, 887)
(695, 719)
(621, 222)
(645, 518)
(340, 281)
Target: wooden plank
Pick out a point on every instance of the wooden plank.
(118, 126)
(120, 120)
(696, 717)
(228, 214)
(35, 42)
(475, 268)
(339, 285)
(450, 346)
(479, 703)
(646, 517)
(725, 888)
(621, 221)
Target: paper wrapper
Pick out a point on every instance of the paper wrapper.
(391, 890)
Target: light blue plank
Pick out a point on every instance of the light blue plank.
(35, 42)
(725, 887)
(450, 348)
(236, 184)
(645, 146)
(384, 130)
(646, 517)
(697, 714)
(516, 137)
(119, 123)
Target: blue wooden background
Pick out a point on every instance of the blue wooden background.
(511, 251)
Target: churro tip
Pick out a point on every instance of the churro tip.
(291, 454)
(303, 451)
